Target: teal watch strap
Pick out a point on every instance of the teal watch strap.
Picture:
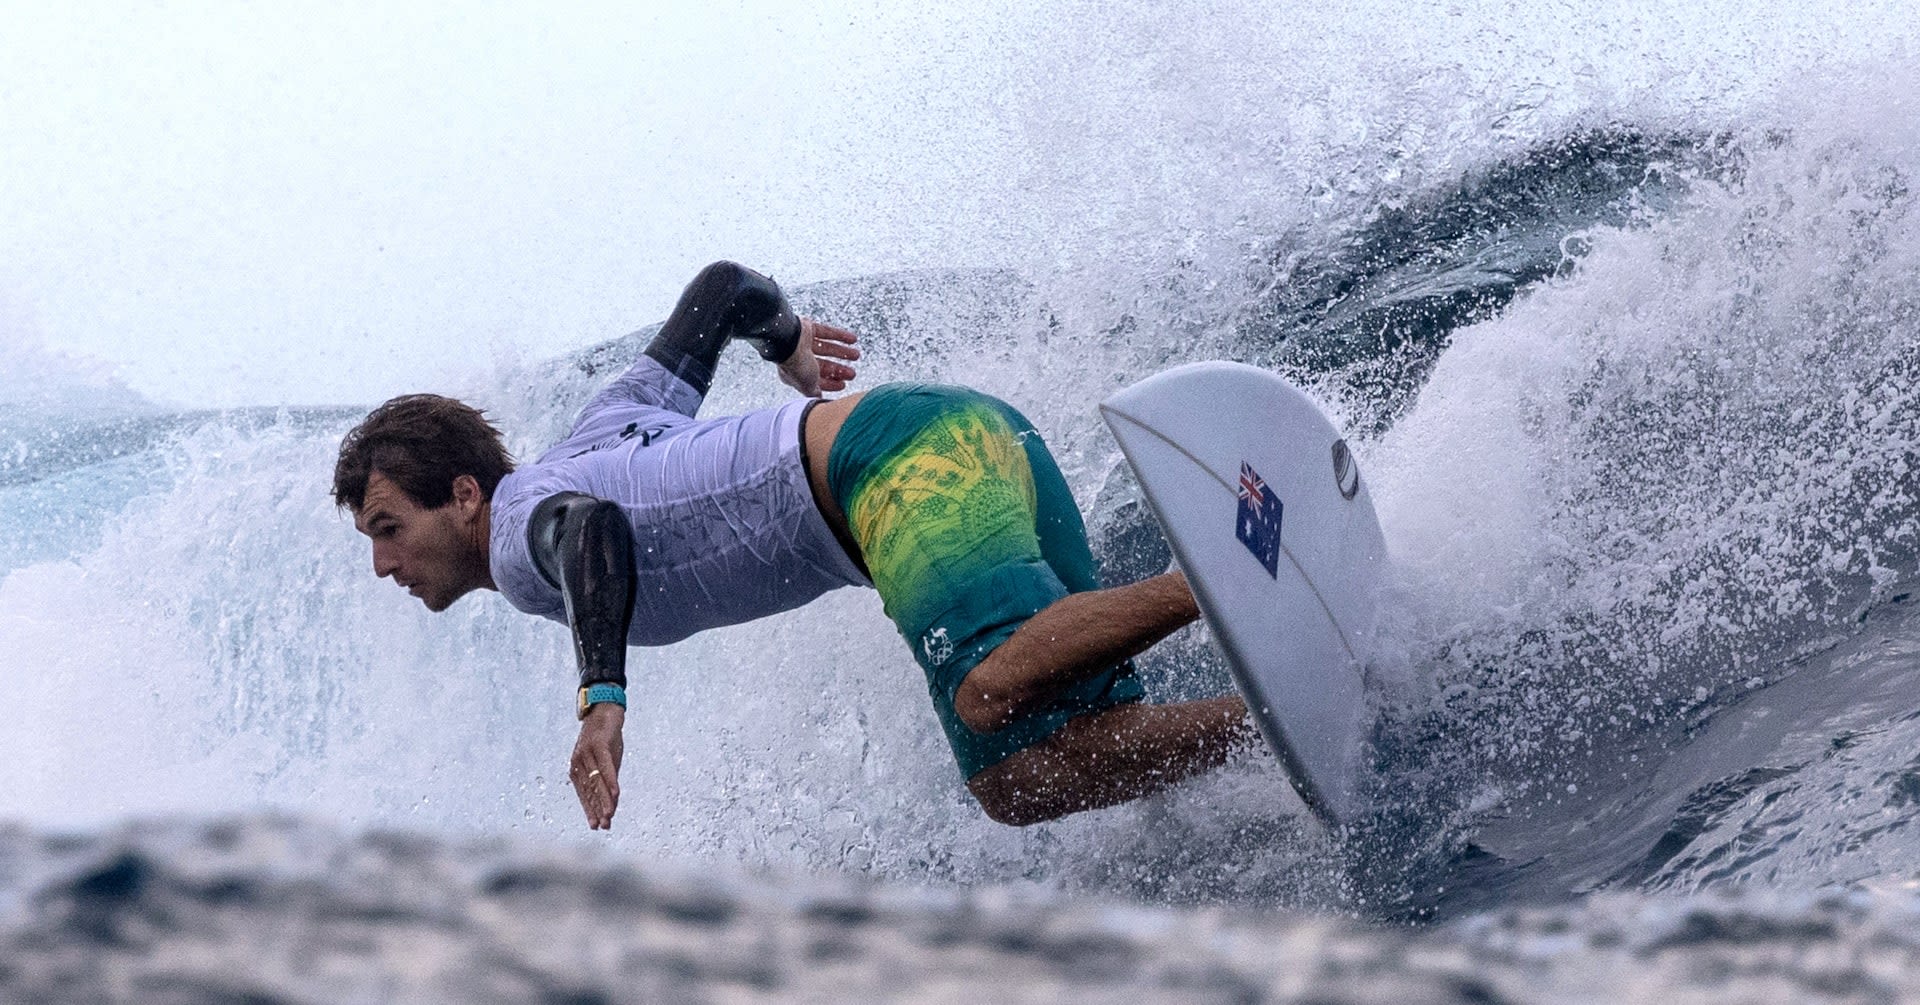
(598, 693)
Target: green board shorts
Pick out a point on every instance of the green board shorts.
(968, 529)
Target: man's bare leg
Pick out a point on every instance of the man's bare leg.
(1107, 757)
(1076, 637)
(1111, 756)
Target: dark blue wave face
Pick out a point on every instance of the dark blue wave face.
(1727, 699)
(1366, 316)
(1625, 745)
(1373, 314)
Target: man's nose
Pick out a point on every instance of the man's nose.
(384, 564)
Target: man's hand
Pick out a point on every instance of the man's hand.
(595, 771)
(813, 367)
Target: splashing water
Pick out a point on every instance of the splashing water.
(1665, 476)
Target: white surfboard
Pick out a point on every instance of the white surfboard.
(1272, 523)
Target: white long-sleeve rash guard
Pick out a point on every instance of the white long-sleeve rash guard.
(725, 529)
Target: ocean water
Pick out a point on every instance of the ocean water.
(1624, 313)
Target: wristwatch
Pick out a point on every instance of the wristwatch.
(596, 693)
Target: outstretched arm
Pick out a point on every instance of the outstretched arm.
(583, 546)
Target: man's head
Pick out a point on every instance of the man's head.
(419, 474)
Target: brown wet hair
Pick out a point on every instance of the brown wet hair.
(421, 442)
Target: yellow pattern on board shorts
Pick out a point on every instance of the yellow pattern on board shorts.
(968, 529)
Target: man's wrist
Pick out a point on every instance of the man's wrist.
(597, 694)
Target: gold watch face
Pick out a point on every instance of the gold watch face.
(582, 709)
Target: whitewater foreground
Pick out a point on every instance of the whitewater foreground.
(272, 910)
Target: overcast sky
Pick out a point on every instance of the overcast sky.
(307, 203)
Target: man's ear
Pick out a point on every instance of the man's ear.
(467, 494)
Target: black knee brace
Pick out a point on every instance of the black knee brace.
(724, 301)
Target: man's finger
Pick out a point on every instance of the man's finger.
(835, 350)
(583, 790)
(597, 795)
(612, 777)
(609, 779)
(593, 782)
(822, 330)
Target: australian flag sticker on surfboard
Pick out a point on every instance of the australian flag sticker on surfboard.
(1259, 523)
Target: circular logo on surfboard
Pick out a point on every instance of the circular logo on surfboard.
(1346, 473)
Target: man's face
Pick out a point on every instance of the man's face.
(430, 552)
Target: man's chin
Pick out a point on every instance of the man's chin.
(437, 604)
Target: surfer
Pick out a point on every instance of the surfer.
(646, 524)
